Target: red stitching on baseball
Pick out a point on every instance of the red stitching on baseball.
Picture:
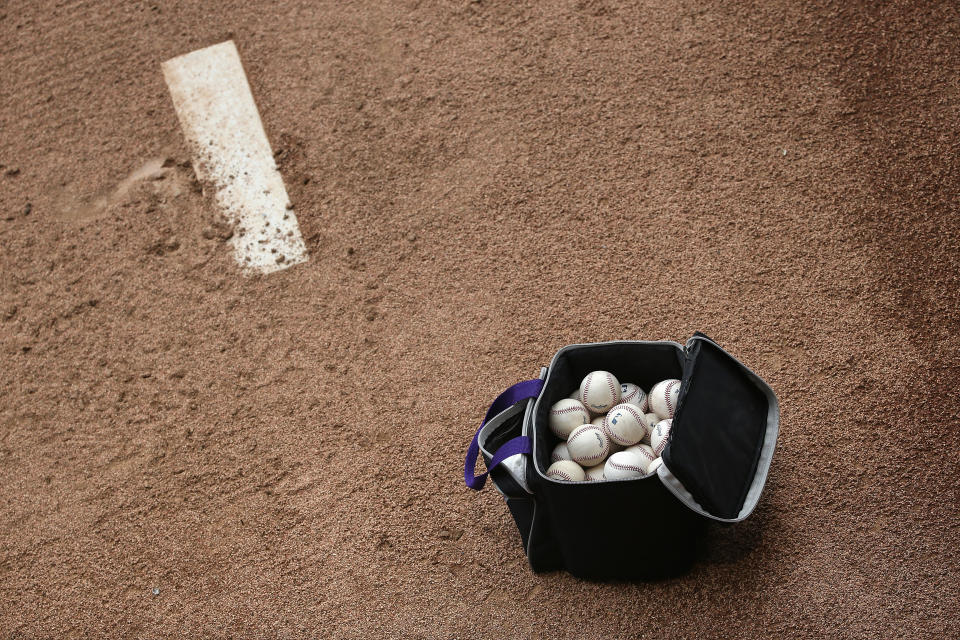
(617, 465)
(577, 431)
(606, 428)
(663, 443)
(606, 449)
(643, 453)
(581, 430)
(567, 410)
(632, 411)
(563, 474)
(629, 398)
(666, 394)
(586, 388)
(613, 387)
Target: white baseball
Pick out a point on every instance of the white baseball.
(598, 423)
(575, 395)
(588, 445)
(656, 464)
(649, 420)
(645, 453)
(660, 435)
(566, 470)
(625, 424)
(560, 453)
(663, 398)
(624, 464)
(600, 391)
(566, 415)
(632, 394)
(652, 419)
(595, 474)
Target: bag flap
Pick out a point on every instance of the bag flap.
(723, 435)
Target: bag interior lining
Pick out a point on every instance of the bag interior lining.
(642, 363)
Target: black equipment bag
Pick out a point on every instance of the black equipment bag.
(715, 463)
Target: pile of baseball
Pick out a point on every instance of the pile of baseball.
(611, 431)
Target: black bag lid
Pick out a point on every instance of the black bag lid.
(723, 435)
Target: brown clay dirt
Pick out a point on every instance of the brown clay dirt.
(479, 183)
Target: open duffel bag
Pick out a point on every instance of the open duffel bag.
(715, 462)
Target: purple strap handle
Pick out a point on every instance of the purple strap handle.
(521, 444)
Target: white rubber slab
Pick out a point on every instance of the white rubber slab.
(231, 154)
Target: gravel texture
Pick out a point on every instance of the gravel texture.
(187, 452)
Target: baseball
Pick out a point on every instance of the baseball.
(652, 419)
(656, 464)
(595, 474)
(624, 465)
(588, 445)
(632, 394)
(645, 453)
(560, 453)
(663, 398)
(566, 470)
(660, 435)
(566, 415)
(600, 391)
(598, 423)
(625, 424)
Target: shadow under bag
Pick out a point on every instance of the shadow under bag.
(715, 463)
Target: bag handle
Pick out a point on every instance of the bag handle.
(521, 444)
